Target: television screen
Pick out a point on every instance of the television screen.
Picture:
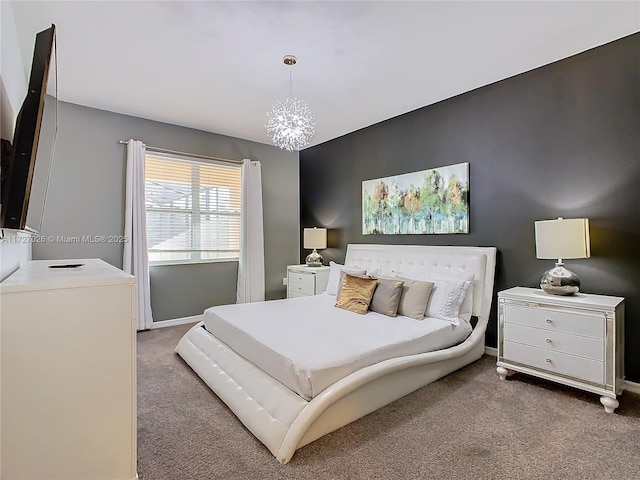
(18, 161)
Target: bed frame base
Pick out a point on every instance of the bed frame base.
(282, 420)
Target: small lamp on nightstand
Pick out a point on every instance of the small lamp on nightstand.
(562, 239)
(315, 238)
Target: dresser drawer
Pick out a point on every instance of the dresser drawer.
(303, 278)
(300, 289)
(588, 347)
(589, 325)
(556, 362)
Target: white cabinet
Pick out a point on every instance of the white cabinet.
(68, 366)
(576, 340)
(303, 280)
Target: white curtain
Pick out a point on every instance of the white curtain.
(251, 262)
(135, 260)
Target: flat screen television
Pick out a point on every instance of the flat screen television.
(19, 157)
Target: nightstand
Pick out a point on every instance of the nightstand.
(303, 280)
(575, 340)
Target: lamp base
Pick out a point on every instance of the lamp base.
(314, 259)
(560, 281)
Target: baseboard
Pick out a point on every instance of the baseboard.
(176, 321)
(491, 351)
(632, 387)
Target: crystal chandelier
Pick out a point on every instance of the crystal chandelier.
(290, 123)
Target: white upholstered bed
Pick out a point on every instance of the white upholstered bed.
(286, 418)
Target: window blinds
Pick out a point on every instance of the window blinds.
(193, 209)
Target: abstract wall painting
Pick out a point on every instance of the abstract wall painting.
(431, 201)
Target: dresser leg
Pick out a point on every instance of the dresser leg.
(609, 404)
(504, 372)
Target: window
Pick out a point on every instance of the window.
(193, 209)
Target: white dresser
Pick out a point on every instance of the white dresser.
(68, 364)
(303, 280)
(575, 340)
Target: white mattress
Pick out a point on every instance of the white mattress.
(308, 344)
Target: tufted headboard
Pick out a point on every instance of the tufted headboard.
(404, 259)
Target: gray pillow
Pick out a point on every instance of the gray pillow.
(415, 297)
(387, 297)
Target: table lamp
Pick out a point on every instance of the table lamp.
(315, 238)
(562, 239)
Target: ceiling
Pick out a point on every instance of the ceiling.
(217, 66)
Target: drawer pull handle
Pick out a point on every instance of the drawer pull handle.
(548, 360)
(548, 320)
(548, 340)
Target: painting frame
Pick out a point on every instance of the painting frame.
(431, 202)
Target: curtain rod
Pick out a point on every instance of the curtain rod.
(184, 154)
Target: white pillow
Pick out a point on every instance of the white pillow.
(334, 275)
(446, 299)
(448, 295)
(466, 309)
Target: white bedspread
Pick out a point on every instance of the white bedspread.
(308, 344)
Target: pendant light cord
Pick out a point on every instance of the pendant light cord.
(291, 82)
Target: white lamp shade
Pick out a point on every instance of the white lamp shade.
(315, 238)
(563, 238)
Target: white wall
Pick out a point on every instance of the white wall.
(13, 75)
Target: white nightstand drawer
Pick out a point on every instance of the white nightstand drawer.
(300, 288)
(293, 294)
(307, 278)
(588, 347)
(303, 280)
(578, 367)
(589, 325)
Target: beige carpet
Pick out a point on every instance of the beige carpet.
(469, 425)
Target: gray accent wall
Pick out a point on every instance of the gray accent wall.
(561, 140)
(86, 198)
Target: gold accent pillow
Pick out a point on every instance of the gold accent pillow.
(356, 293)
(354, 273)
